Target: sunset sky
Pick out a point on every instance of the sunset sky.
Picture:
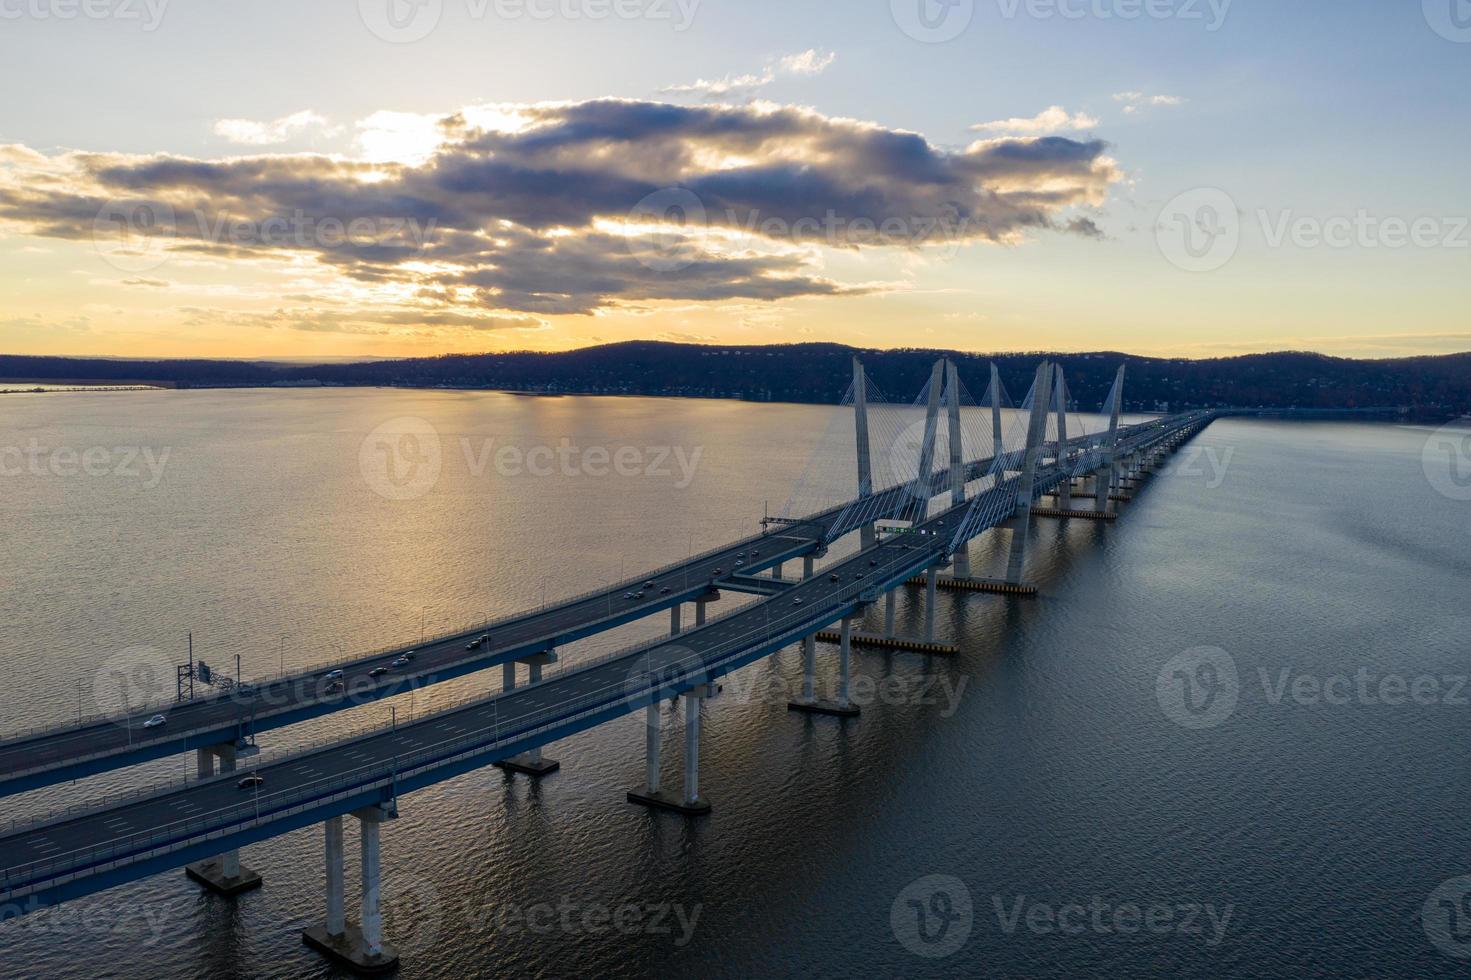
(409, 177)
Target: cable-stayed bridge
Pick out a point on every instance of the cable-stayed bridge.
(911, 528)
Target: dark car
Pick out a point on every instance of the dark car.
(252, 781)
(377, 671)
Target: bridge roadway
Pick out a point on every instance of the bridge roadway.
(100, 744)
(85, 852)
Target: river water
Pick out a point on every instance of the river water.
(1227, 739)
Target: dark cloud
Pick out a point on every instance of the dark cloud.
(536, 218)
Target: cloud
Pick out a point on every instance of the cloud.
(559, 208)
(809, 62)
(143, 281)
(249, 132)
(1054, 119)
(1134, 101)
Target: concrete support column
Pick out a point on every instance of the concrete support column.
(534, 755)
(776, 571)
(807, 563)
(508, 676)
(230, 860)
(652, 734)
(360, 947)
(372, 911)
(222, 874)
(336, 911)
(929, 603)
(692, 701)
(530, 762)
(845, 653)
(890, 603)
(674, 628)
(687, 802)
(700, 605)
(809, 666)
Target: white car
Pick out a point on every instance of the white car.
(332, 675)
(155, 721)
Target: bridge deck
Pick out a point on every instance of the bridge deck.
(85, 852)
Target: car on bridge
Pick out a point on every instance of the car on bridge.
(253, 781)
(155, 721)
(378, 671)
(332, 675)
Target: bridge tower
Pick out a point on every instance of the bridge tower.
(865, 461)
(1108, 475)
(961, 566)
(996, 445)
(1059, 398)
(1036, 431)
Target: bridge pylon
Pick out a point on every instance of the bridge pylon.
(1036, 432)
(866, 534)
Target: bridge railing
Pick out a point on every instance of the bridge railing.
(466, 702)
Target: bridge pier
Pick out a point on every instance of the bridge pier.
(222, 874)
(530, 762)
(700, 604)
(807, 562)
(891, 601)
(359, 947)
(689, 802)
(841, 705)
(674, 629)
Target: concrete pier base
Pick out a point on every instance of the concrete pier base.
(349, 950)
(888, 643)
(1078, 515)
(660, 800)
(211, 874)
(529, 764)
(823, 706)
(993, 585)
